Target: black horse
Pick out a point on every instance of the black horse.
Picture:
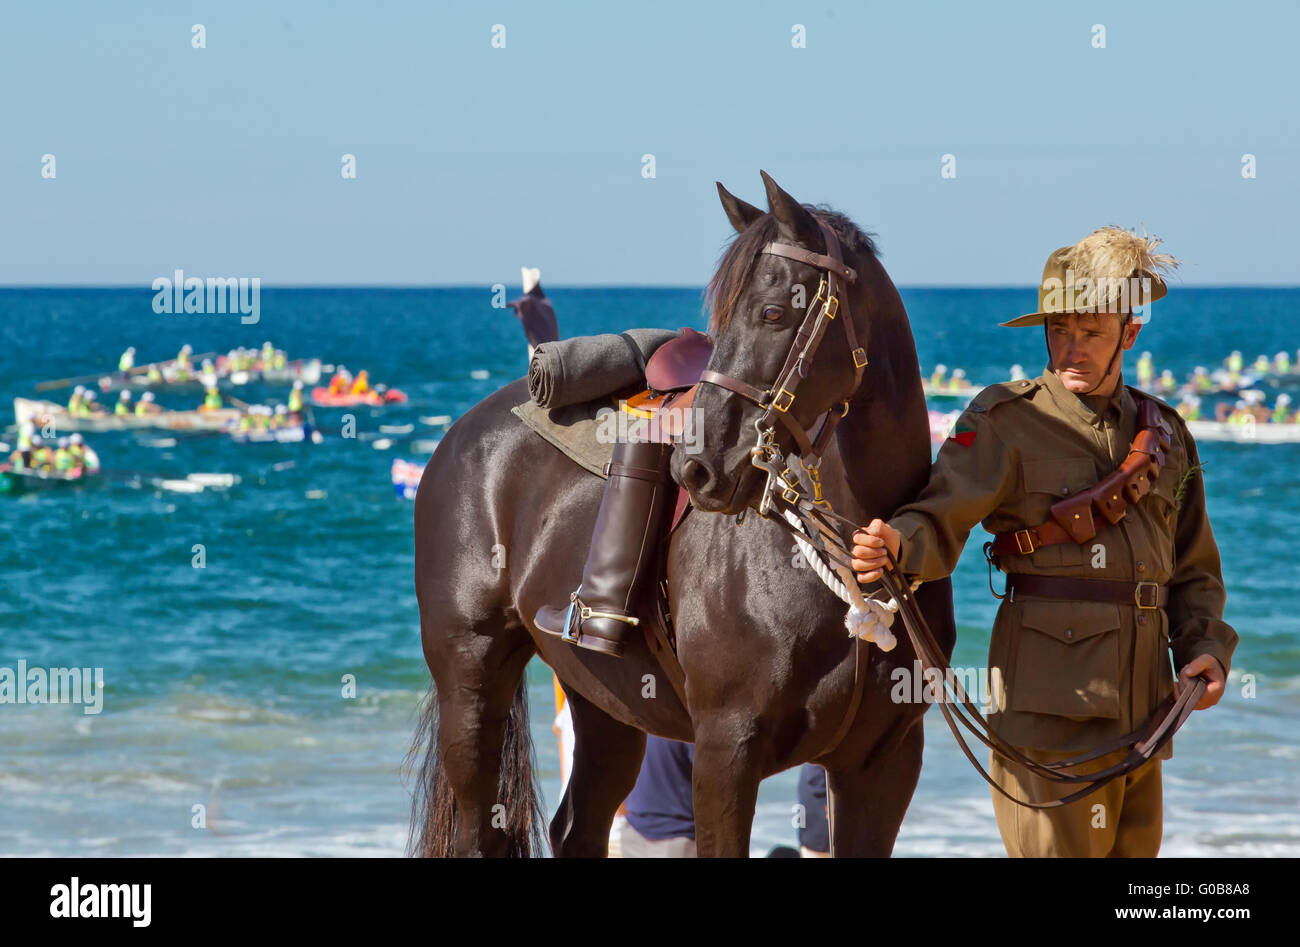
(502, 525)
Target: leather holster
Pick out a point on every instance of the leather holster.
(601, 611)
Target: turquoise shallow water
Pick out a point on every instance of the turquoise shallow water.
(223, 684)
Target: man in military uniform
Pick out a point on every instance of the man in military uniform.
(1082, 638)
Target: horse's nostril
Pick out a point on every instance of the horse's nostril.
(696, 477)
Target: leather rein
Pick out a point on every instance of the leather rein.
(819, 530)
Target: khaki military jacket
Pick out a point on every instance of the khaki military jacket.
(1073, 675)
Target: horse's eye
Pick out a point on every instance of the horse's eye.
(773, 314)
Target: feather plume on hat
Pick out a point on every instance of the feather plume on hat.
(1109, 269)
(1109, 254)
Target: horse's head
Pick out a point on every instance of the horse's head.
(766, 310)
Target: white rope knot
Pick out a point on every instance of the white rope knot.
(872, 623)
(867, 618)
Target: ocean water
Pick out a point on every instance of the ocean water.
(224, 685)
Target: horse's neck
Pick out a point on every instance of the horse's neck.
(882, 446)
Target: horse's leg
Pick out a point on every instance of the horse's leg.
(725, 780)
(479, 685)
(606, 759)
(868, 801)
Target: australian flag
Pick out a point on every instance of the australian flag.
(406, 478)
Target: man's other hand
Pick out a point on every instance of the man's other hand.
(1208, 667)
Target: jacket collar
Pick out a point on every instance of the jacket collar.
(1119, 406)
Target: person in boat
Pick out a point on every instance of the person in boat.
(1281, 409)
(1262, 365)
(1190, 408)
(280, 418)
(279, 361)
(146, 405)
(123, 405)
(74, 402)
(266, 356)
(77, 451)
(295, 397)
(958, 380)
(1017, 372)
(361, 385)
(153, 375)
(208, 374)
(62, 460)
(1095, 608)
(21, 457)
(938, 377)
(182, 366)
(1240, 413)
(1255, 405)
(26, 431)
(212, 399)
(127, 361)
(341, 381)
(245, 423)
(90, 460)
(1202, 383)
(1233, 363)
(1282, 364)
(40, 456)
(1146, 371)
(1167, 384)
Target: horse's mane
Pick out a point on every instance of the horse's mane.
(736, 268)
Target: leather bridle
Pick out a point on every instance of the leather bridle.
(778, 398)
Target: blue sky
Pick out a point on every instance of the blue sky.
(472, 160)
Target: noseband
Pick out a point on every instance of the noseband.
(777, 399)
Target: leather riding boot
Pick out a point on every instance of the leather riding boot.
(600, 611)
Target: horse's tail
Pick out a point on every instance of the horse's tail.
(433, 813)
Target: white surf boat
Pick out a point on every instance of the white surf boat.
(42, 413)
(1248, 432)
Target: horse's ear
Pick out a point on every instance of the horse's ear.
(793, 222)
(740, 213)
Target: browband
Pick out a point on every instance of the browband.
(820, 260)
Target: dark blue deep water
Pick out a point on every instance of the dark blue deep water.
(223, 684)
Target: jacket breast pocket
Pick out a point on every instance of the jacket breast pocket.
(1045, 482)
(1067, 659)
(1164, 490)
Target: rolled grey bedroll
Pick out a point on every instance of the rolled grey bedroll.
(587, 367)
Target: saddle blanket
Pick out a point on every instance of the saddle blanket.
(574, 430)
(586, 433)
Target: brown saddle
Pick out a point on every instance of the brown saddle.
(673, 373)
(678, 363)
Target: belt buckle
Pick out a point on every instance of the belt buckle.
(1155, 595)
(777, 402)
(1024, 539)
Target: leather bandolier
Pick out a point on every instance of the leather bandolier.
(1074, 520)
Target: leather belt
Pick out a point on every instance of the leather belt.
(1144, 595)
(1024, 541)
